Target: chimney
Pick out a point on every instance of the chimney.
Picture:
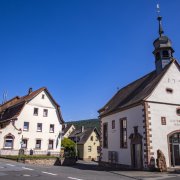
(30, 91)
(82, 128)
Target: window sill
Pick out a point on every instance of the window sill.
(6, 148)
(51, 132)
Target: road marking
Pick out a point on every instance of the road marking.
(74, 178)
(1, 167)
(10, 164)
(28, 168)
(27, 175)
(49, 173)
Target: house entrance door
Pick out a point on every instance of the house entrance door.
(137, 156)
(176, 152)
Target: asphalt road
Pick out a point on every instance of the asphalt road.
(10, 170)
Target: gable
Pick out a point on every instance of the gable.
(43, 100)
(170, 81)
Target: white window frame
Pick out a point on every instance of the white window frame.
(36, 113)
(45, 112)
(24, 129)
(36, 147)
(51, 131)
(51, 144)
(39, 130)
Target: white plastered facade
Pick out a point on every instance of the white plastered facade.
(16, 129)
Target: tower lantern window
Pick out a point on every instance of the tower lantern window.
(165, 54)
(157, 56)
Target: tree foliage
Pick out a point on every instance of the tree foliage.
(69, 147)
(89, 123)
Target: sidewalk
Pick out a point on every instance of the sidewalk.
(148, 175)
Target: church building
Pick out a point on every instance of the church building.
(144, 116)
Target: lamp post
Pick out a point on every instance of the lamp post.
(76, 149)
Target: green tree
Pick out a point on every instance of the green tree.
(69, 147)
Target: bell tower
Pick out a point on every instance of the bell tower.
(163, 50)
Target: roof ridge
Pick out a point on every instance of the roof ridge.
(131, 83)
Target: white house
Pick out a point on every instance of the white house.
(32, 122)
(144, 116)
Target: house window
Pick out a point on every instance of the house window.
(35, 111)
(43, 96)
(45, 112)
(105, 135)
(8, 142)
(91, 138)
(169, 90)
(98, 149)
(50, 145)
(123, 133)
(39, 127)
(163, 120)
(113, 124)
(24, 143)
(178, 111)
(51, 128)
(38, 144)
(89, 148)
(26, 126)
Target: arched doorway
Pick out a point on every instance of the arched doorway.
(174, 147)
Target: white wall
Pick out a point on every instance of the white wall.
(27, 116)
(170, 80)
(134, 118)
(159, 132)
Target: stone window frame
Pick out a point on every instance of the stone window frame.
(105, 145)
(113, 124)
(178, 109)
(163, 120)
(123, 133)
(5, 138)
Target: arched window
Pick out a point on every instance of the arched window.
(165, 54)
(8, 141)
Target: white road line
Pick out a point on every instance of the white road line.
(26, 175)
(28, 168)
(74, 178)
(10, 164)
(49, 173)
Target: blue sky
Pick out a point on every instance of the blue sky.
(81, 50)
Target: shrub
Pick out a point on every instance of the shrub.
(69, 147)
